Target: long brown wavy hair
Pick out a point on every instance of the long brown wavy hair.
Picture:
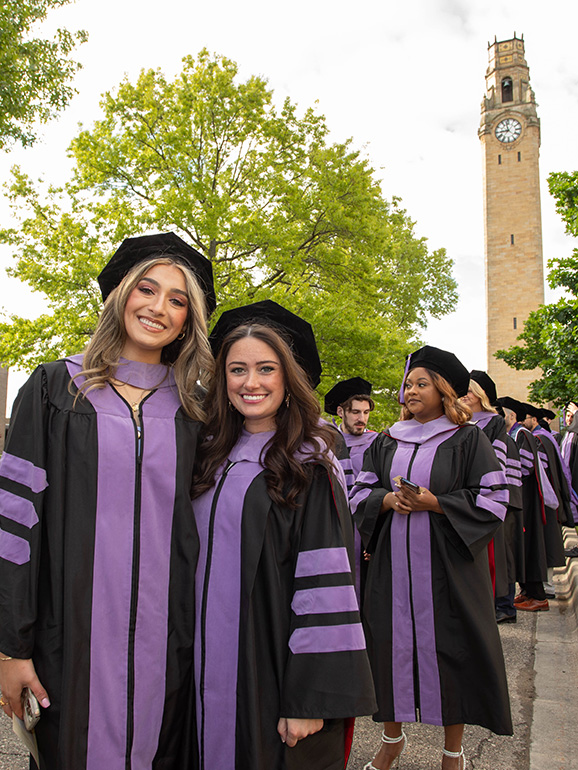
(298, 425)
(190, 358)
(454, 410)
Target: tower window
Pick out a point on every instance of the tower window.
(512, 239)
(515, 323)
(519, 157)
(507, 90)
(499, 160)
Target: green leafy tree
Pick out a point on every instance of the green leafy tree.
(35, 73)
(281, 212)
(550, 334)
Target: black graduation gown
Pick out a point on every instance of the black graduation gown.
(98, 550)
(352, 461)
(558, 474)
(543, 546)
(508, 542)
(569, 451)
(514, 521)
(278, 627)
(428, 609)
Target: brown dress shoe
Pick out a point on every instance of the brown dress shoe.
(520, 598)
(533, 605)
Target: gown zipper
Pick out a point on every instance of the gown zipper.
(139, 445)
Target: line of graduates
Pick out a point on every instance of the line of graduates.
(538, 499)
(179, 579)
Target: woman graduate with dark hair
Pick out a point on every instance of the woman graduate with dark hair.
(98, 545)
(280, 654)
(427, 502)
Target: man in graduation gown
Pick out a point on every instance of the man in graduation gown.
(351, 401)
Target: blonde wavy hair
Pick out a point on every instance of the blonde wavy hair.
(454, 410)
(478, 391)
(190, 358)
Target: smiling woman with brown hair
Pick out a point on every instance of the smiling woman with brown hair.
(280, 659)
(427, 501)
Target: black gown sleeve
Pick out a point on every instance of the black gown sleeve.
(478, 507)
(23, 480)
(327, 673)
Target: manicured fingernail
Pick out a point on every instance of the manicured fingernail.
(45, 703)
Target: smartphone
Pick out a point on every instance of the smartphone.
(30, 709)
(409, 484)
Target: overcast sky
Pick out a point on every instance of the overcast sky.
(404, 80)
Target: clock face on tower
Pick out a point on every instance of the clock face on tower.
(508, 130)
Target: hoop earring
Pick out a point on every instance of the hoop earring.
(287, 400)
(181, 336)
(231, 407)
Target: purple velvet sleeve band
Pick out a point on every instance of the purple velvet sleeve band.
(495, 503)
(322, 561)
(493, 479)
(358, 495)
(17, 509)
(315, 601)
(317, 639)
(23, 472)
(13, 548)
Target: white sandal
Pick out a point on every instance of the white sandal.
(386, 739)
(459, 753)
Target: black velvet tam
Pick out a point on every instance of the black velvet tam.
(134, 250)
(295, 330)
(486, 384)
(443, 363)
(341, 391)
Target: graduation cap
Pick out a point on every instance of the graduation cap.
(533, 411)
(295, 330)
(486, 383)
(134, 250)
(517, 407)
(444, 363)
(340, 392)
(546, 413)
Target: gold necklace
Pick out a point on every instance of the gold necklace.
(134, 405)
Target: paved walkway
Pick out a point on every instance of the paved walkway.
(541, 652)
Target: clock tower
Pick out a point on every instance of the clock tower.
(510, 136)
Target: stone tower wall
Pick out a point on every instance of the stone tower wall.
(512, 213)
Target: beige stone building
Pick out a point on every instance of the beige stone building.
(510, 137)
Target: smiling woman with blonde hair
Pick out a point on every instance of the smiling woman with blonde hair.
(98, 545)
